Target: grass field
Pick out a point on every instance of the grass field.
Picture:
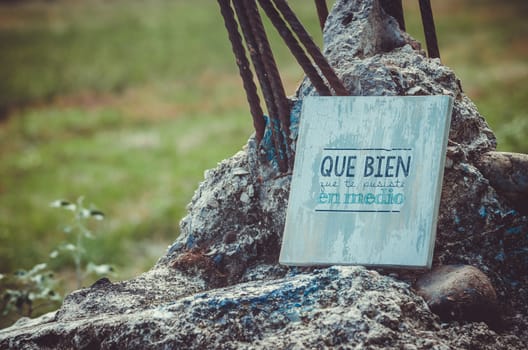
(127, 103)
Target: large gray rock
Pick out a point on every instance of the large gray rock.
(339, 306)
(220, 285)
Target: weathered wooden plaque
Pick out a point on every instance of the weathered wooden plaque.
(367, 180)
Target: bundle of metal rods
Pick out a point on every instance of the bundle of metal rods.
(265, 67)
(309, 58)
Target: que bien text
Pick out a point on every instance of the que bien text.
(376, 166)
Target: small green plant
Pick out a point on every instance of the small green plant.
(26, 291)
(80, 231)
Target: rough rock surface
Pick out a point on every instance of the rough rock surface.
(508, 174)
(219, 285)
(337, 306)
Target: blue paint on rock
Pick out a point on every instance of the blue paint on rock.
(514, 230)
(482, 212)
(217, 259)
(191, 242)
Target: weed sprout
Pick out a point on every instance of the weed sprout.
(81, 231)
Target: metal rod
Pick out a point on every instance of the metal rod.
(271, 66)
(322, 12)
(243, 68)
(277, 88)
(311, 47)
(297, 51)
(255, 56)
(263, 62)
(429, 28)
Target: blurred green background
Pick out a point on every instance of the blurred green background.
(127, 102)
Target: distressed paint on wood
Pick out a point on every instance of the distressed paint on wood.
(367, 180)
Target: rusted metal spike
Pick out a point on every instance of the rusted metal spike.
(311, 47)
(429, 29)
(295, 48)
(266, 70)
(244, 68)
(322, 12)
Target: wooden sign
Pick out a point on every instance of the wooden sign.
(367, 180)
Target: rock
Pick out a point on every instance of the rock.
(333, 307)
(508, 173)
(209, 229)
(459, 292)
(379, 33)
(219, 285)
